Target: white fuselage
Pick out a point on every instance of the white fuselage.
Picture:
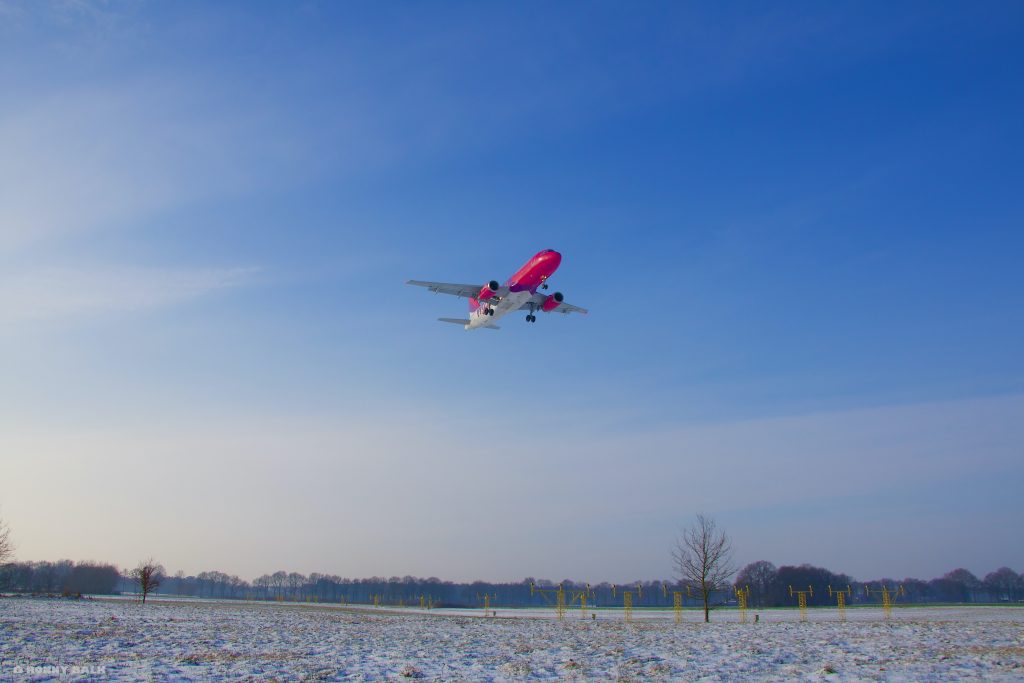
(510, 302)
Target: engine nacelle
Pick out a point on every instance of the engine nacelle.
(551, 303)
(489, 290)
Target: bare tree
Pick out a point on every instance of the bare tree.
(967, 579)
(295, 581)
(262, 584)
(278, 580)
(147, 576)
(1003, 584)
(6, 547)
(703, 558)
(761, 575)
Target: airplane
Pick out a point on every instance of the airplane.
(519, 293)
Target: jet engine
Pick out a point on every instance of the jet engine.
(551, 303)
(488, 291)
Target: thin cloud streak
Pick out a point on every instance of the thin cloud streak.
(52, 293)
(79, 160)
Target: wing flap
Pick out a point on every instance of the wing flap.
(538, 299)
(453, 288)
(566, 309)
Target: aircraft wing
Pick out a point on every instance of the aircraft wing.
(465, 291)
(563, 307)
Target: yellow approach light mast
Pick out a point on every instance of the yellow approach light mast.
(558, 592)
(888, 594)
(841, 596)
(801, 599)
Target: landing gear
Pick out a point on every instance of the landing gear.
(531, 318)
(544, 286)
(490, 311)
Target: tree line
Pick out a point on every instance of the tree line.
(769, 587)
(62, 577)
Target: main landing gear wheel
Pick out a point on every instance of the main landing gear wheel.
(531, 318)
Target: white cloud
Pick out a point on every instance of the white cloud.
(48, 293)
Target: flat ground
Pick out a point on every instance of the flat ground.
(209, 640)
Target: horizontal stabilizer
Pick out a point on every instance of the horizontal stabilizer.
(457, 321)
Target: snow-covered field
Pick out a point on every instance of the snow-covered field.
(209, 640)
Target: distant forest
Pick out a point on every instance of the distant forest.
(768, 584)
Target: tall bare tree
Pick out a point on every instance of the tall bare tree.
(6, 547)
(147, 576)
(703, 558)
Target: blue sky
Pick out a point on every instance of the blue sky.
(797, 229)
